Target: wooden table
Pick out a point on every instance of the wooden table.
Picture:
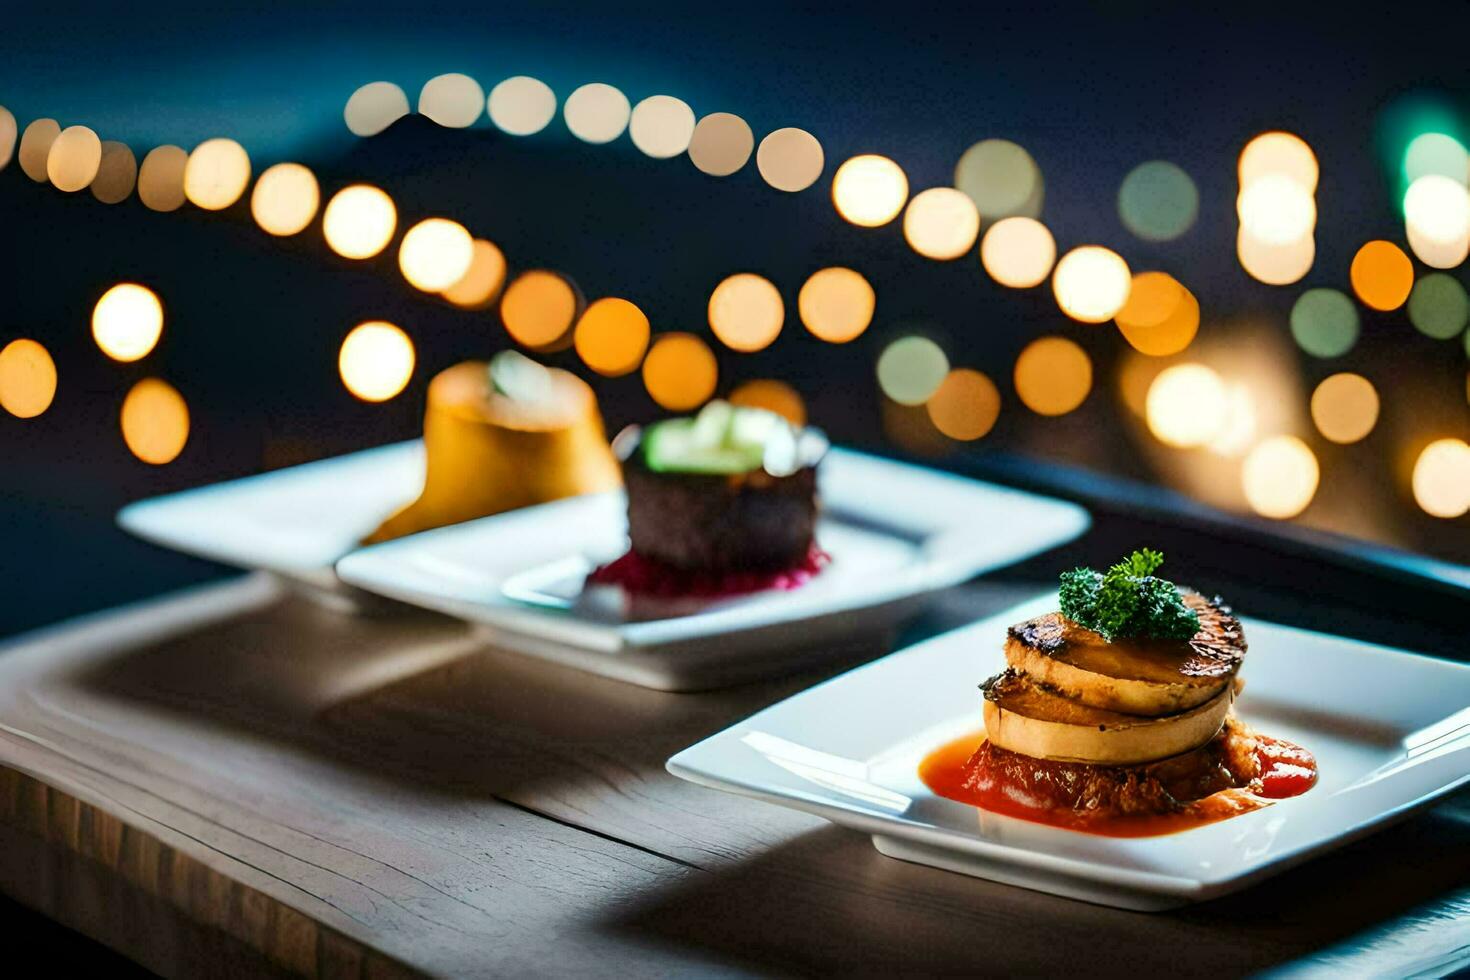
(236, 780)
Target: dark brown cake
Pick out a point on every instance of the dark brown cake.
(743, 522)
(731, 490)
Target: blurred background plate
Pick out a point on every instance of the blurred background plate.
(295, 522)
(896, 533)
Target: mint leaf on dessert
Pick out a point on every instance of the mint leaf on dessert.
(1127, 600)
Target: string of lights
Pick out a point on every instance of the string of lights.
(1185, 405)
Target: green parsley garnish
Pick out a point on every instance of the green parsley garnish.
(1128, 600)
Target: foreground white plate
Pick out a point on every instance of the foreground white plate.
(1391, 732)
(295, 522)
(895, 533)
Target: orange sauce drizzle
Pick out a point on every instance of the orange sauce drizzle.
(1286, 770)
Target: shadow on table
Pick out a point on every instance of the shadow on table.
(946, 923)
(421, 698)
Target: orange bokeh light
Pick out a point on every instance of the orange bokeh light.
(1382, 275)
(1053, 376)
(1161, 317)
(612, 336)
(680, 372)
(539, 308)
(965, 406)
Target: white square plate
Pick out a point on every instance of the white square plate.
(1390, 730)
(295, 522)
(895, 533)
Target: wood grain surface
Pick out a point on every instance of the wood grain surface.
(237, 781)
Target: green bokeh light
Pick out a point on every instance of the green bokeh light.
(1001, 178)
(1436, 153)
(1324, 322)
(911, 369)
(1158, 201)
(1439, 306)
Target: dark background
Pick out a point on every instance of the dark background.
(253, 323)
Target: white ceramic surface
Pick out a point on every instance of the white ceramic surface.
(895, 532)
(295, 522)
(1390, 730)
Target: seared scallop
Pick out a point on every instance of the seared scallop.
(1132, 675)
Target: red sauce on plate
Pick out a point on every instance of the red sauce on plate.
(644, 576)
(1227, 777)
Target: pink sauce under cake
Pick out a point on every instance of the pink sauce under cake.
(644, 576)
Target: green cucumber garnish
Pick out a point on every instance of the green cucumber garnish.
(721, 440)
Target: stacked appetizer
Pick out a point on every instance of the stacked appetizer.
(1115, 713)
(501, 436)
(721, 503)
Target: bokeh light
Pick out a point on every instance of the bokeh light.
(161, 178)
(1018, 252)
(1053, 376)
(1436, 153)
(1324, 323)
(374, 107)
(1279, 154)
(1279, 477)
(1275, 265)
(773, 396)
(1442, 478)
(75, 155)
(1439, 306)
(217, 174)
(721, 144)
(1158, 201)
(746, 312)
(539, 308)
(1239, 429)
(1161, 317)
(941, 223)
(482, 281)
(612, 336)
(1186, 405)
(1345, 407)
(127, 321)
(454, 100)
(376, 361)
(790, 159)
(285, 199)
(1001, 178)
(1382, 275)
(435, 254)
(155, 422)
(522, 105)
(35, 148)
(869, 190)
(680, 372)
(1276, 210)
(117, 173)
(911, 369)
(1091, 283)
(9, 133)
(965, 405)
(359, 221)
(836, 304)
(1437, 220)
(662, 126)
(597, 113)
(27, 378)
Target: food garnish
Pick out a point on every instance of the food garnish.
(1128, 600)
